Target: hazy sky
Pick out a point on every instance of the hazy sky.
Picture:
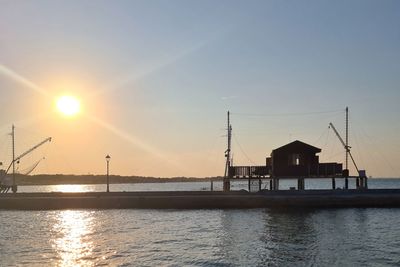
(155, 79)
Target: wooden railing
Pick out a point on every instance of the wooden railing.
(248, 171)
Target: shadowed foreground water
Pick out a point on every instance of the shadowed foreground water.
(256, 237)
(341, 237)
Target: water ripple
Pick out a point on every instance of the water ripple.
(260, 237)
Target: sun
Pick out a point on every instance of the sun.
(68, 105)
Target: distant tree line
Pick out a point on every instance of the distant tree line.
(54, 179)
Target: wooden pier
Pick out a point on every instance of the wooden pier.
(203, 200)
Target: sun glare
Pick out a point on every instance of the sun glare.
(68, 105)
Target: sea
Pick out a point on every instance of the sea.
(252, 237)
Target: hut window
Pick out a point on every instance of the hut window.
(294, 159)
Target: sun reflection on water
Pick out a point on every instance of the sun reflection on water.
(72, 241)
(69, 188)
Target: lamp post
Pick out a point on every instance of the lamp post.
(108, 173)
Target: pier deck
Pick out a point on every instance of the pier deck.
(203, 199)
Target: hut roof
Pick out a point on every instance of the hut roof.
(298, 146)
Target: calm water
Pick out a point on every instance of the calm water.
(257, 237)
(192, 186)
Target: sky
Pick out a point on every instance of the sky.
(155, 80)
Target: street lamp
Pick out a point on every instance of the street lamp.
(108, 173)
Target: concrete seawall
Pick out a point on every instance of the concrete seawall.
(202, 200)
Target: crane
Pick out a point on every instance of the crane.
(17, 159)
(346, 146)
(361, 181)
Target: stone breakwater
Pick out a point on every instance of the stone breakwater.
(203, 200)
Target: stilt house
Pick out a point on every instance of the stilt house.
(298, 159)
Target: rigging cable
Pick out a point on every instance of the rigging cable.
(320, 137)
(286, 114)
(327, 138)
(241, 149)
(29, 170)
(379, 152)
(332, 150)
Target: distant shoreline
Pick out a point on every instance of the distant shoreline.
(57, 179)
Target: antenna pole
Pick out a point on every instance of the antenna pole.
(347, 138)
(227, 186)
(13, 154)
(346, 180)
(229, 139)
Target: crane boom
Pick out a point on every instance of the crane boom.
(33, 148)
(346, 147)
(27, 152)
(338, 135)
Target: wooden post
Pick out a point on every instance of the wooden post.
(227, 185)
(249, 184)
(333, 184)
(358, 183)
(212, 185)
(298, 184)
(270, 184)
(259, 184)
(346, 183)
(363, 182)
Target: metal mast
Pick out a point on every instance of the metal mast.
(228, 156)
(347, 149)
(347, 138)
(13, 155)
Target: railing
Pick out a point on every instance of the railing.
(329, 169)
(320, 170)
(248, 171)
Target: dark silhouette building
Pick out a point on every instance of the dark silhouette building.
(294, 160)
(298, 159)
